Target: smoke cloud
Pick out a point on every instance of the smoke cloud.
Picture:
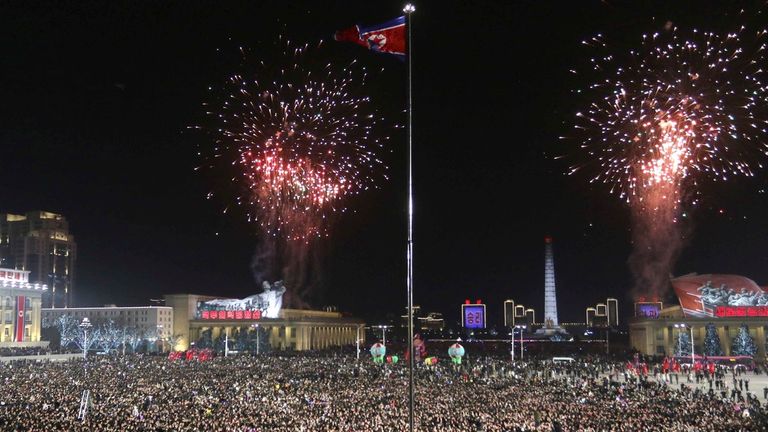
(658, 237)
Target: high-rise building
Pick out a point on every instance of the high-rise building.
(519, 311)
(509, 313)
(603, 314)
(613, 312)
(39, 242)
(530, 317)
(590, 318)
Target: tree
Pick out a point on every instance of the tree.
(743, 344)
(134, 338)
(67, 325)
(111, 336)
(712, 346)
(173, 339)
(85, 341)
(683, 344)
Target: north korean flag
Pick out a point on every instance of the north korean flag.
(388, 38)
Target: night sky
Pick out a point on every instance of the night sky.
(96, 98)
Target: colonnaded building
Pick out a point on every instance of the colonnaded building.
(286, 329)
(20, 305)
(726, 301)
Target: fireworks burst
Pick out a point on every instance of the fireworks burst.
(302, 138)
(675, 110)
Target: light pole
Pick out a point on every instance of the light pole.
(84, 399)
(255, 327)
(383, 329)
(512, 345)
(85, 325)
(357, 342)
(522, 328)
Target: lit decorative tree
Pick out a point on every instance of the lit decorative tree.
(712, 345)
(111, 336)
(68, 329)
(134, 338)
(743, 344)
(683, 344)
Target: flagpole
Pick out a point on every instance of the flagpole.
(409, 9)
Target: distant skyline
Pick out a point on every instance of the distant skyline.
(100, 96)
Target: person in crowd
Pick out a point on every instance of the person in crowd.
(319, 392)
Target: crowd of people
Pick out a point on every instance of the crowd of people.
(332, 392)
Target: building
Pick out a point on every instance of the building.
(509, 313)
(293, 329)
(433, 321)
(39, 242)
(518, 314)
(603, 314)
(725, 301)
(590, 317)
(612, 311)
(658, 336)
(151, 321)
(530, 317)
(20, 304)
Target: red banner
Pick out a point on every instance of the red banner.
(20, 319)
(231, 315)
(741, 311)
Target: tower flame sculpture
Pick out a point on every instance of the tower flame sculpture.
(550, 295)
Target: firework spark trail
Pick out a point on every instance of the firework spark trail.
(666, 116)
(302, 138)
(677, 109)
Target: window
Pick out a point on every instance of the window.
(7, 332)
(27, 303)
(7, 302)
(26, 332)
(8, 317)
(28, 317)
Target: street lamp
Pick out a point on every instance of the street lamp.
(522, 328)
(512, 345)
(85, 325)
(383, 333)
(681, 327)
(255, 327)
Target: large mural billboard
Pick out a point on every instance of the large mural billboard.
(264, 305)
(714, 295)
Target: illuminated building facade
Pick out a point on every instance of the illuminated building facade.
(509, 313)
(152, 321)
(293, 329)
(39, 242)
(725, 301)
(20, 305)
(603, 314)
(657, 336)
